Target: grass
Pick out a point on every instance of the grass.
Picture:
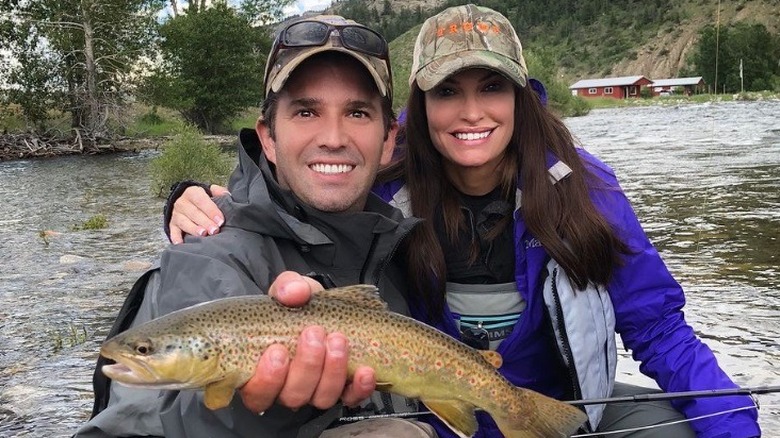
(247, 119)
(145, 121)
(607, 102)
(142, 121)
(72, 337)
(96, 222)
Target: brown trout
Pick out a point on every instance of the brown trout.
(216, 345)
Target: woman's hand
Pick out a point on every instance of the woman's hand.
(317, 375)
(195, 213)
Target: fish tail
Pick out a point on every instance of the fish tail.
(552, 418)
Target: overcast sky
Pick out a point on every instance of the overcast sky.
(301, 6)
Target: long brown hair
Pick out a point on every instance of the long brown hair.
(561, 215)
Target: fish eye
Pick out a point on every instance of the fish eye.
(144, 348)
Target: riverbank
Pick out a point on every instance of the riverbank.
(674, 100)
(18, 146)
(26, 146)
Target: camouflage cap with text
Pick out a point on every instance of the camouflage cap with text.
(284, 60)
(463, 37)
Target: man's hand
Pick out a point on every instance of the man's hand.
(196, 214)
(317, 375)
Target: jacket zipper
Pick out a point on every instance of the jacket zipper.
(381, 267)
(575, 382)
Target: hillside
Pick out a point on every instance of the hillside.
(586, 38)
(666, 54)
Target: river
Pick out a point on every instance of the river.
(704, 179)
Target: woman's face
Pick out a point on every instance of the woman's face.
(470, 121)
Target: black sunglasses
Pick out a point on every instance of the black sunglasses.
(310, 33)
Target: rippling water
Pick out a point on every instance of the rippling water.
(705, 180)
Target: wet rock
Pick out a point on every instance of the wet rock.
(69, 259)
(136, 265)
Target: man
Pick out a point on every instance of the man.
(300, 201)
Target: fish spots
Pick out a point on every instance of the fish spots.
(438, 364)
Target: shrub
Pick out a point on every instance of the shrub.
(189, 157)
(96, 222)
(151, 117)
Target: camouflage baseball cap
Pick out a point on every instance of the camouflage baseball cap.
(344, 35)
(464, 37)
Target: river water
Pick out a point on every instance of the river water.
(705, 180)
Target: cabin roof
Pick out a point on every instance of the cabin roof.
(677, 82)
(607, 82)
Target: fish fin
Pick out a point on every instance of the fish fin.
(365, 295)
(549, 417)
(384, 386)
(492, 357)
(457, 415)
(220, 393)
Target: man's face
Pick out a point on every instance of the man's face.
(329, 134)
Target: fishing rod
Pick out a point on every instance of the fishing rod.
(637, 398)
(664, 396)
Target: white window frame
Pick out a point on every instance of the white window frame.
(592, 90)
(608, 90)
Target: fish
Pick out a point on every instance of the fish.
(215, 346)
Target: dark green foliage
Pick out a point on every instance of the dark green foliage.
(213, 66)
(722, 49)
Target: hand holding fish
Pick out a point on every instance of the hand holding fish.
(216, 345)
(317, 375)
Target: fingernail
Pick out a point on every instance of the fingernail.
(366, 381)
(219, 220)
(213, 230)
(314, 337)
(201, 232)
(337, 346)
(281, 293)
(277, 358)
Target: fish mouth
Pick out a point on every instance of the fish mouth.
(122, 373)
(130, 371)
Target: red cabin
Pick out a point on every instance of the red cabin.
(617, 88)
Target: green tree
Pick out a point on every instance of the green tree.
(74, 56)
(212, 65)
(721, 51)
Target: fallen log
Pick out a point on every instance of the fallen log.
(26, 145)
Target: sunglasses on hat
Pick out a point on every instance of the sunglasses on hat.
(312, 33)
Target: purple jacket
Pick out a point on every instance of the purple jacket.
(648, 306)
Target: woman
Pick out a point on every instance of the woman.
(530, 247)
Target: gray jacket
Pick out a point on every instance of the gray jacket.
(267, 231)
